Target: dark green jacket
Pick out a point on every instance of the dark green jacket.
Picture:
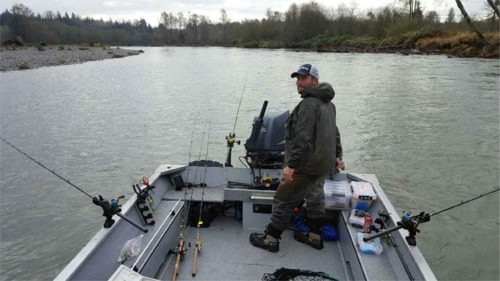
(311, 134)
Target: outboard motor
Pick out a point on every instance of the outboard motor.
(266, 145)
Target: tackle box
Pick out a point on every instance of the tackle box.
(357, 218)
(362, 192)
(337, 194)
(371, 247)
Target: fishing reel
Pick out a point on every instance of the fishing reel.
(110, 208)
(231, 141)
(230, 144)
(411, 223)
(407, 222)
(266, 183)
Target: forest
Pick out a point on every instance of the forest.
(400, 26)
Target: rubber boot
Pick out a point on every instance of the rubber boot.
(269, 240)
(313, 237)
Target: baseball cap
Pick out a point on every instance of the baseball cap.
(306, 69)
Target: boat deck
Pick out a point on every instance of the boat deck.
(228, 255)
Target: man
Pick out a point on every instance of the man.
(312, 150)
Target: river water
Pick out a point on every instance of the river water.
(427, 126)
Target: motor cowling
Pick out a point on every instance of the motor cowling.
(266, 145)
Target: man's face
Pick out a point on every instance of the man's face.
(305, 81)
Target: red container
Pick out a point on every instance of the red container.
(368, 223)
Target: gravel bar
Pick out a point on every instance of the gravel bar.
(31, 57)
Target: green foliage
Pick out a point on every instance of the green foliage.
(271, 44)
(40, 47)
(321, 42)
(397, 30)
(411, 38)
(363, 41)
(5, 32)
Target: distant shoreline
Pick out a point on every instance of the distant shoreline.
(22, 58)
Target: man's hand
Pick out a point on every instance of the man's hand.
(339, 164)
(288, 174)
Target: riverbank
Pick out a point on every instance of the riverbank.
(21, 58)
(426, 41)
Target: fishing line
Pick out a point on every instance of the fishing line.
(239, 105)
(51, 171)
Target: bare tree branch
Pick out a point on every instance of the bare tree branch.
(495, 8)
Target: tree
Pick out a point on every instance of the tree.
(270, 26)
(22, 10)
(312, 20)
(471, 24)
(291, 23)
(166, 24)
(21, 18)
(193, 27)
(431, 18)
(413, 7)
(224, 20)
(451, 16)
(204, 29)
(182, 24)
(417, 13)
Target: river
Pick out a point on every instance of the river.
(427, 126)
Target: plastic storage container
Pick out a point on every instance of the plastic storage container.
(372, 247)
(362, 192)
(337, 194)
(357, 218)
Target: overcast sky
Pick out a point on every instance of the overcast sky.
(237, 10)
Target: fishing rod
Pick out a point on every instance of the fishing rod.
(230, 138)
(109, 207)
(411, 223)
(181, 249)
(197, 247)
(189, 156)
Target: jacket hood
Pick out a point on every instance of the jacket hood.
(322, 91)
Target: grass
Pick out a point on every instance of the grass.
(463, 44)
